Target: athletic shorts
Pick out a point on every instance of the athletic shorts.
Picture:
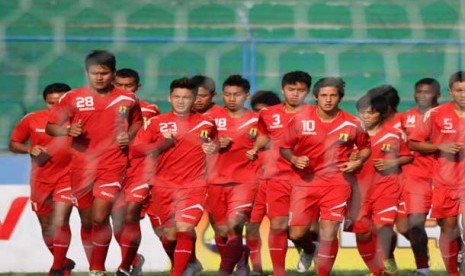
(100, 183)
(309, 203)
(259, 204)
(417, 194)
(447, 202)
(278, 193)
(43, 195)
(379, 208)
(132, 192)
(231, 201)
(171, 205)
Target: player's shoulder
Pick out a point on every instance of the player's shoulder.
(441, 110)
(271, 110)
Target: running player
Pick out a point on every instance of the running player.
(179, 183)
(103, 120)
(49, 179)
(442, 134)
(318, 142)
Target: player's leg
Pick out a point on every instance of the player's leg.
(42, 204)
(62, 236)
(253, 238)
(367, 247)
(419, 241)
(131, 235)
(101, 232)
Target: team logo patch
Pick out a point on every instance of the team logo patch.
(253, 132)
(343, 138)
(204, 135)
(386, 148)
(122, 110)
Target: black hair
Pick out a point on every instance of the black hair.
(295, 77)
(388, 92)
(56, 87)
(128, 73)
(101, 57)
(183, 82)
(330, 82)
(456, 77)
(237, 80)
(205, 82)
(264, 97)
(378, 103)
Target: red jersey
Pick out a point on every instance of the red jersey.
(183, 164)
(387, 143)
(53, 165)
(411, 120)
(103, 119)
(148, 110)
(326, 144)
(396, 121)
(272, 122)
(442, 125)
(231, 164)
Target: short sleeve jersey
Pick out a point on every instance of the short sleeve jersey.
(387, 143)
(327, 145)
(443, 125)
(231, 164)
(272, 122)
(103, 119)
(53, 166)
(182, 165)
(411, 121)
(148, 110)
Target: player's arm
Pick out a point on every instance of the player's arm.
(56, 130)
(260, 144)
(386, 164)
(427, 147)
(299, 162)
(356, 164)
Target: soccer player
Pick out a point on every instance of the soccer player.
(318, 142)
(233, 177)
(375, 196)
(260, 99)
(179, 184)
(135, 189)
(442, 134)
(272, 124)
(103, 120)
(417, 190)
(49, 179)
(391, 95)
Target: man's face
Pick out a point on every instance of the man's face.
(128, 84)
(328, 99)
(203, 100)
(234, 97)
(294, 94)
(457, 91)
(51, 99)
(425, 96)
(181, 100)
(99, 77)
(370, 117)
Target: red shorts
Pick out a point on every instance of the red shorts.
(379, 208)
(43, 195)
(230, 201)
(132, 192)
(417, 194)
(155, 220)
(259, 204)
(447, 202)
(171, 205)
(278, 193)
(100, 183)
(309, 203)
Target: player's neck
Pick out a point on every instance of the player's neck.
(327, 116)
(374, 129)
(102, 92)
(424, 109)
(184, 114)
(290, 108)
(236, 113)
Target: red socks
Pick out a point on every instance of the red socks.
(255, 254)
(182, 252)
(232, 253)
(326, 256)
(86, 239)
(61, 241)
(449, 250)
(277, 241)
(169, 247)
(130, 241)
(368, 252)
(101, 237)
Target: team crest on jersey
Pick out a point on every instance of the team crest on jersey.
(386, 148)
(204, 135)
(343, 138)
(122, 110)
(253, 132)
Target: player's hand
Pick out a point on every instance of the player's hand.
(452, 148)
(122, 140)
(252, 154)
(350, 166)
(300, 162)
(75, 129)
(383, 164)
(37, 150)
(168, 135)
(354, 155)
(209, 147)
(225, 142)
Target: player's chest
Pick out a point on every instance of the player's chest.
(187, 130)
(385, 146)
(450, 126)
(97, 105)
(235, 128)
(315, 131)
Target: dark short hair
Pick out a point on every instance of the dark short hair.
(388, 92)
(429, 81)
(205, 82)
(264, 97)
(378, 103)
(330, 82)
(183, 82)
(128, 73)
(295, 77)
(456, 77)
(56, 87)
(237, 80)
(101, 57)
